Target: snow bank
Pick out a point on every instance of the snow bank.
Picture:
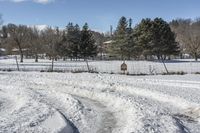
(21, 112)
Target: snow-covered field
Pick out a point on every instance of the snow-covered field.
(134, 67)
(98, 103)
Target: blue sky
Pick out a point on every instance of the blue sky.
(99, 14)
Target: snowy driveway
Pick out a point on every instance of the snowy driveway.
(98, 103)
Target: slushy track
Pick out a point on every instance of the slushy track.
(108, 120)
(102, 103)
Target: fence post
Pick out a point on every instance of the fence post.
(17, 63)
(88, 67)
(164, 65)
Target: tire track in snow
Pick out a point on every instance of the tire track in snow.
(148, 105)
(108, 120)
(122, 109)
(150, 120)
(191, 114)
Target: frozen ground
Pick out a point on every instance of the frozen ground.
(134, 67)
(98, 103)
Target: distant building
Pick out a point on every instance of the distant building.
(104, 49)
(105, 44)
(2, 51)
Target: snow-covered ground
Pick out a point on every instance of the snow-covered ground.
(98, 103)
(134, 67)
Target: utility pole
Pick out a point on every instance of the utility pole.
(111, 31)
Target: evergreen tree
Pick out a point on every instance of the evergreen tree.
(123, 44)
(63, 48)
(120, 38)
(156, 38)
(163, 39)
(143, 36)
(129, 48)
(87, 43)
(73, 40)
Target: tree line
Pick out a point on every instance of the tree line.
(72, 42)
(150, 39)
(156, 38)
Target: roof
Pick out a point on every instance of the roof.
(2, 49)
(108, 42)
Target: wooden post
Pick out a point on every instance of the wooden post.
(164, 65)
(87, 65)
(52, 63)
(17, 63)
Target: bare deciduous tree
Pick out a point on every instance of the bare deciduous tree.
(193, 39)
(52, 38)
(17, 37)
(188, 34)
(35, 42)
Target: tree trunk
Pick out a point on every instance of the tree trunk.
(129, 56)
(145, 57)
(164, 57)
(196, 56)
(21, 52)
(87, 64)
(52, 63)
(158, 56)
(36, 58)
(122, 57)
(101, 55)
(169, 58)
(21, 55)
(181, 56)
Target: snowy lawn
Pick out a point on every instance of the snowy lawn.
(98, 103)
(134, 67)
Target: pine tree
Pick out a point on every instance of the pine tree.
(62, 47)
(143, 36)
(120, 38)
(123, 44)
(87, 43)
(129, 48)
(156, 38)
(73, 40)
(163, 39)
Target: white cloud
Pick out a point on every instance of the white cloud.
(43, 1)
(40, 27)
(36, 1)
(18, 0)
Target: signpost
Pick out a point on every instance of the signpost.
(124, 67)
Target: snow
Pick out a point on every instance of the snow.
(98, 103)
(134, 67)
(20, 112)
(57, 120)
